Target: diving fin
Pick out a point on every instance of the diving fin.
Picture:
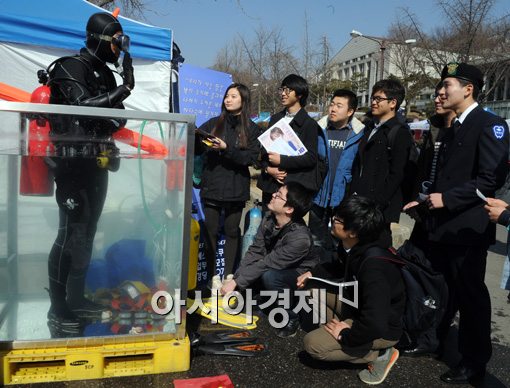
(238, 321)
(223, 337)
(242, 349)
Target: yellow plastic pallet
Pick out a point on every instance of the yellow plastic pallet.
(26, 366)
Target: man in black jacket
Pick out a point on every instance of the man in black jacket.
(378, 169)
(473, 155)
(282, 250)
(85, 152)
(366, 332)
(281, 169)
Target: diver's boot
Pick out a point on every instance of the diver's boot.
(76, 301)
(59, 314)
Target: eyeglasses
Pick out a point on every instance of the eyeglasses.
(285, 90)
(279, 196)
(336, 220)
(378, 99)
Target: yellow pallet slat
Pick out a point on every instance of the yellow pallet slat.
(26, 366)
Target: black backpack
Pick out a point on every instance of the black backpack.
(409, 185)
(426, 290)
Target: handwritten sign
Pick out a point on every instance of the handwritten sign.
(201, 91)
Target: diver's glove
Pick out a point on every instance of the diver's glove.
(128, 74)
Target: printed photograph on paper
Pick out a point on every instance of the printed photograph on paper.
(282, 139)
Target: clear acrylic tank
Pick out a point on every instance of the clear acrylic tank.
(142, 240)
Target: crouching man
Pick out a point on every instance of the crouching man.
(368, 332)
(282, 250)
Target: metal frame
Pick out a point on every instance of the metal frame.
(25, 107)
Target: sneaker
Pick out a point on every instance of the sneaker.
(379, 369)
(290, 330)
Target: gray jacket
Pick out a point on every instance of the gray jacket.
(274, 248)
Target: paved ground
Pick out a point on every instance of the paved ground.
(286, 365)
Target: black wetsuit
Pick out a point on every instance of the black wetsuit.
(81, 183)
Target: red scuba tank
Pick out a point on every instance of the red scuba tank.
(35, 177)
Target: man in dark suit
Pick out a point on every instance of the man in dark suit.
(378, 168)
(457, 233)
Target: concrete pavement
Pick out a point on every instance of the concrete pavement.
(287, 365)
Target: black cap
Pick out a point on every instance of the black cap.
(100, 27)
(463, 71)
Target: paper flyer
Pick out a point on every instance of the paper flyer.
(281, 139)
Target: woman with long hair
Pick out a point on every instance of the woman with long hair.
(228, 152)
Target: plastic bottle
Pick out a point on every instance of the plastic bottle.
(255, 217)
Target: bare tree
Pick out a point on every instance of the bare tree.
(232, 59)
(411, 70)
(468, 33)
(132, 8)
(307, 50)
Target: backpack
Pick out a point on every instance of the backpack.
(409, 185)
(426, 290)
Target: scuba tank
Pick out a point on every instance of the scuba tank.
(35, 176)
(255, 218)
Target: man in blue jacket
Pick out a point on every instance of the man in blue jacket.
(343, 133)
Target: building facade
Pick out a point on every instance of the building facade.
(369, 59)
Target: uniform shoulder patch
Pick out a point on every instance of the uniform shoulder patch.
(499, 131)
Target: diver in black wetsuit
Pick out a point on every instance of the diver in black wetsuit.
(85, 151)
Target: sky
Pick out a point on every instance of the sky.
(202, 27)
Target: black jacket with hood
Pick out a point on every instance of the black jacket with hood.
(381, 297)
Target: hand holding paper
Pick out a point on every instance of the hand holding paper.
(481, 196)
(274, 158)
